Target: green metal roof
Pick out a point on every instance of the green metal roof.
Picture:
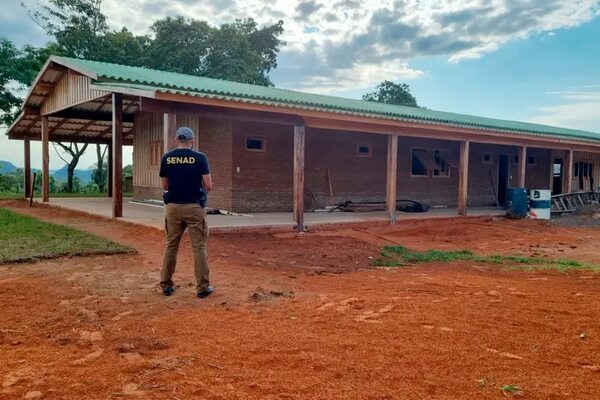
(170, 82)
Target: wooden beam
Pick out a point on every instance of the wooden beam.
(90, 122)
(552, 156)
(57, 126)
(117, 154)
(89, 115)
(45, 161)
(522, 166)
(463, 178)
(27, 169)
(392, 173)
(169, 129)
(109, 172)
(29, 110)
(299, 142)
(568, 168)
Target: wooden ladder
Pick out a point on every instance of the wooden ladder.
(568, 202)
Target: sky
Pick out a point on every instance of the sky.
(528, 60)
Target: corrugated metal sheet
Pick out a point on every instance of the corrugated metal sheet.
(170, 82)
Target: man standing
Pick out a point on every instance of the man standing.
(186, 180)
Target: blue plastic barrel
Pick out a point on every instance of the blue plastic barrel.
(516, 203)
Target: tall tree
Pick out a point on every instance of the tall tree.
(392, 93)
(75, 25)
(75, 153)
(239, 51)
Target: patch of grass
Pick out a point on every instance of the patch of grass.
(511, 389)
(11, 196)
(399, 256)
(24, 238)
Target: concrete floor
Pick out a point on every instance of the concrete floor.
(152, 215)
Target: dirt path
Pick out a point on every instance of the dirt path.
(304, 317)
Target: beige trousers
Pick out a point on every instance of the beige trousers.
(178, 217)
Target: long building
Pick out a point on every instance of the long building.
(269, 148)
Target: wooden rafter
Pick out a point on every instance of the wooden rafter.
(87, 124)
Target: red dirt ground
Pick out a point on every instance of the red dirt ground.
(305, 317)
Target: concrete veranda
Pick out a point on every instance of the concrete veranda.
(152, 215)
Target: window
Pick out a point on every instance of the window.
(586, 171)
(418, 161)
(531, 160)
(156, 152)
(516, 160)
(486, 158)
(258, 144)
(364, 150)
(576, 169)
(441, 158)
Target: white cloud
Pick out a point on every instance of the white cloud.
(357, 43)
(579, 109)
(337, 45)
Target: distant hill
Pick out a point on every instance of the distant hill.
(84, 175)
(6, 167)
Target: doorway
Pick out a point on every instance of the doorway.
(503, 175)
(557, 176)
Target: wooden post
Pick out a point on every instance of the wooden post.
(169, 129)
(551, 185)
(568, 168)
(392, 173)
(27, 169)
(109, 171)
(299, 140)
(45, 161)
(117, 152)
(463, 178)
(32, 190)
(522, 166)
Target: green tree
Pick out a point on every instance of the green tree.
(392, 93)
(8, 72)
(239, 51)
(75, 25)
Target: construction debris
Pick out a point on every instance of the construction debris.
(404, 205)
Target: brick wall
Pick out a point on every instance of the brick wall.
(215, 140)
(252, 181)
(262, 181)
(147, 193)
(352, 177)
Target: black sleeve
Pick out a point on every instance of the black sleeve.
(163, 168)
(205, 169)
